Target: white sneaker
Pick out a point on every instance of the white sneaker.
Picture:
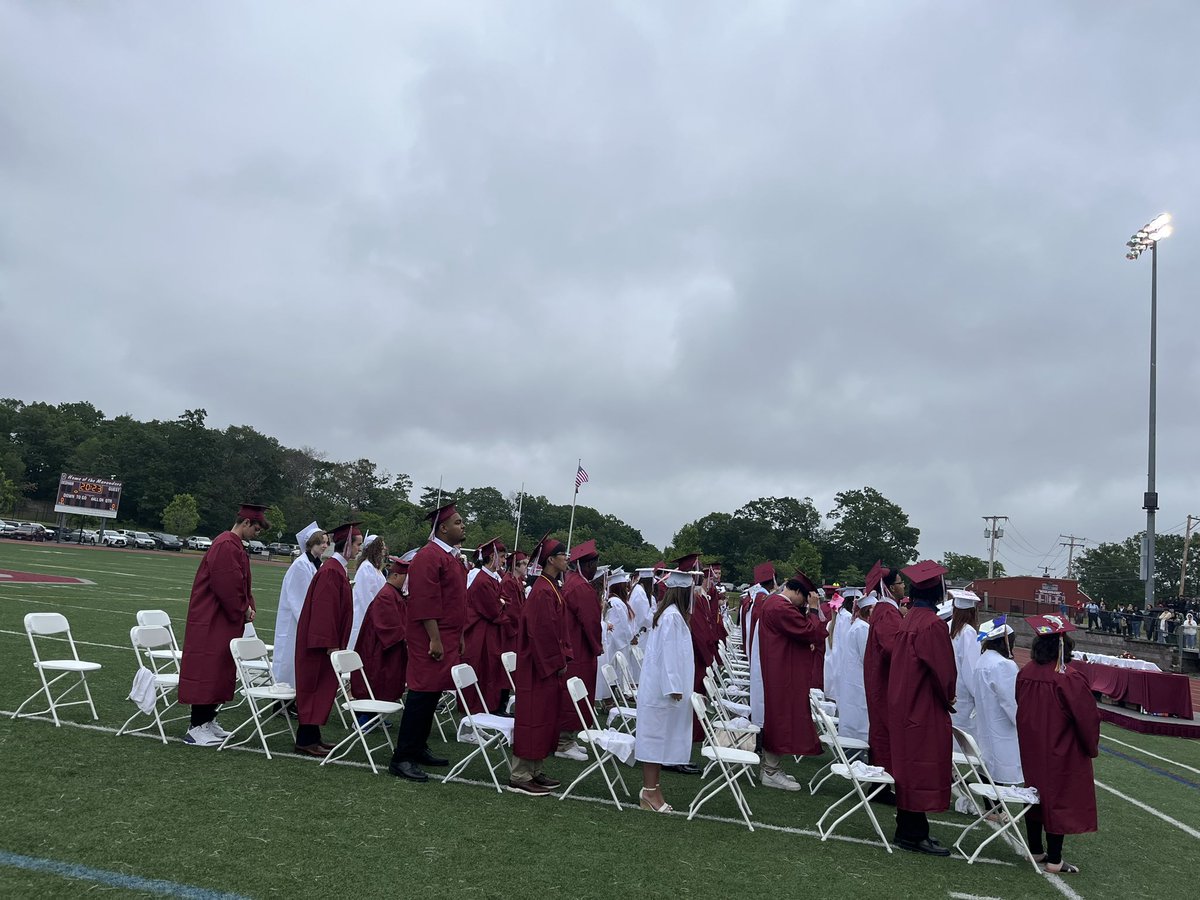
(572, 751)
(202, 736)
(779, 781)
(217, 730)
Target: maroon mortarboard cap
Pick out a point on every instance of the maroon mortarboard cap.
(805, 582)
(687, 563)
(441, 514)
(1049, 624)
(398, 564)
(487, 548)
(519, 556)
(925, 574)
(764, 572)
(546, 548)
(586, 550)
(253, 512)
(344, 532)
(658, 566)
(874, 576)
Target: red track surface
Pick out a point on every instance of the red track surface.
(10, 576)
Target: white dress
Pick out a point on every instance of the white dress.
(852, 701)
(966, 657)
(834, 653)
(642, 617)
(368, 581)
(291, 601)
(664, 725)
(996, 717)
(618, 638)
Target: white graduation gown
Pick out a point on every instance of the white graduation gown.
(834, 653)
(664, 726)
(757, 707)
(996, 717)
(368, 581)
(852, 701)
(291, 601)
(618, 638)
(642, 617)
(966, 657)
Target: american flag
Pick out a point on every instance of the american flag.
(580, 477)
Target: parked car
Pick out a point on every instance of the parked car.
(51, 532)
(256, 548)
(7, 528)
(142, 540)
(30, 531)
(198, 542)
(280, 549)
(164, 541)
(114, 539)
(81, 536)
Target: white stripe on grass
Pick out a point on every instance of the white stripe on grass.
(64, 640)
(1186, 829)
(1180, 765)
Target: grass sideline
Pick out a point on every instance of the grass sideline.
(239, 823)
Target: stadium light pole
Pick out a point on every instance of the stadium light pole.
(1147, 238)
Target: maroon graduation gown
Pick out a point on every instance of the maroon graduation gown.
(482, 640)
(542, 653)
(818, 661)
(216, 615)
(583, 636)
(920, 697)
(788, 635)
(437, 589)
(877, 662)
(381, 645)
(324, 625)
(1058, 729)
(512, 592)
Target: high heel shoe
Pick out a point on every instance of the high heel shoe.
(646, 804)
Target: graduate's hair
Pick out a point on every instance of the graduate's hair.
(963, 617)
(1045, 648)
(1000, 645)
(313, 539)
(677, 597)
(619, 590)
(768, 585)
(933, 594)
(344, 545)
(373, 554)
(890, 576)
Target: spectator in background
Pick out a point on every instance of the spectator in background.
(1133, 621)
(1190, 628)
(1093, 615)
(1164, 625)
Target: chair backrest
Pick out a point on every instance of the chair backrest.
(509, 659)
(623, 671)
(245, 648)
(464, 676)
(609, 674)
(970, 749)
(345, 662)
(700, 708)
(46, 623)
(825, 724)
(149, 637)
(578, 693)
(638, 653)
(153, 617)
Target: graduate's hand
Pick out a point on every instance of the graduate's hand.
(610, 626)
(435, 648)
(250, 613)
(676, 697)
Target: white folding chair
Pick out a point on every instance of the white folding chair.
(730, 764)
(638, 653)
(509, 661)
(443, 714)
(737, 731)
(274, 699)
(853, 772)
(853, 748)
(47, 626)
(622, 709)
(148, 640)
(485, 730)
(601, 740)
(159, 619)
(628, 683)
(347, 662)
(1002, 796)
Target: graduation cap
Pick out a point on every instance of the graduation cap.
(687, 563)
(618, 576)
(805, 582)
(764, 572)
(486, 549)
(519, 556)
(547, 547)
(346, 531)
(400, 564)
(254, 513)
(305, 533)
(865, 601)
(997, 628)
(586, 550)
(644, 573)
(964, 599)
(369, 540)
(441, 514)
(681, 578)
(874, 576)
(925, 574)
(945, 610)
(1042, 625)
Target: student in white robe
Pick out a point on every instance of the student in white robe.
(618, 631)
(643, 612)
(313, 543)
(853, 721)
(368, 580)
(996, 703)
(835, 643)
(664, 697)
(965, 639)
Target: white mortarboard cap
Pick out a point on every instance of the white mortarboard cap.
(850, 593)
(306, 532)
(408, 557)
(369, 540)
(964, 599)
(997, 627)
(676, 578)
(866, 602)
(945, 609)
(601, 571)
(644, 573)
(617, 576)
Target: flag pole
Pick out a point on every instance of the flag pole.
(574, 499)
(520, 504)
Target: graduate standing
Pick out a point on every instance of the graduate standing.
(219, 608)
(995, 693)
(313, 543)
(541, 676)
(852, 693)
(877, 661)
(437, 611)
(583, 637)
(1058, 727)
(483, 632)
(324, 628)
(965, 639)
(618, 629)
(763, 587)
(920, 701)
(368, 579)
(381, 639)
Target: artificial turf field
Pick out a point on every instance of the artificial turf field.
(82, 811)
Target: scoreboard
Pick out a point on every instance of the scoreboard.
(83, 496)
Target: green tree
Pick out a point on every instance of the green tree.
(276, 523)
(181, 515)
(851, 576)
(8, 494)
(866, 527)
(1108, 572)
(805, 557)
(964, 567)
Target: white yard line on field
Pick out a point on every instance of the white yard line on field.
(1186, 829)
(958, 895)
(1180, 765)
(94, 571)
(64, 640)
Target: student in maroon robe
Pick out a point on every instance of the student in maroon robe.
(381, 639)
(877, 662)
(717, 597)
(219, 608)
(512, 595)
(920, 701)
(437, 611)
(482, 634)
(789, 627)
(324, 628)
(543, 656)
(584, 623)
(1058, 729)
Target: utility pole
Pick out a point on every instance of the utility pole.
(1187, 539)
(993, 531)
(1072, 542)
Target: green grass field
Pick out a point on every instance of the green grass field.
(237, 823)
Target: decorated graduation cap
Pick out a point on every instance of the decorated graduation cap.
(878, 572)
(584, 551)
(963, 599)
(305, 533)
(618, 576)
(1043, 625)
(925, 574)
(996, 628)
(345, 531)
(806, 583)
(764, 572)
(254, 512)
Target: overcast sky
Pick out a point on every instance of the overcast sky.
(717, 250)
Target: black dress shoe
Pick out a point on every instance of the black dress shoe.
(546, 781)
(408, 770)
(428, 759)
(687, 769)
(928, 846)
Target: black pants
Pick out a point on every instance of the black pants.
(307, 735)
(203, 713)
(1033, 831)
(911, 826)
(412, 737)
